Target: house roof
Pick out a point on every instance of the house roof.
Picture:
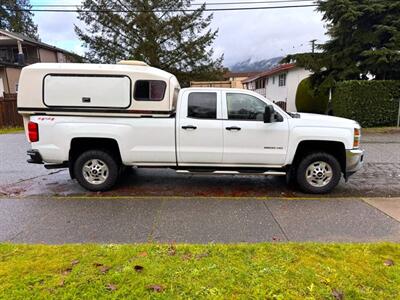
(240, 74)
(29, 40)
(278, 69)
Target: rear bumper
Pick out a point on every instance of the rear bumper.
(354, 161)
(35, 157)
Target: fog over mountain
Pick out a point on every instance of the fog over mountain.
(251, 65)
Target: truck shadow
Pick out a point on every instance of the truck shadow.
(166, 183)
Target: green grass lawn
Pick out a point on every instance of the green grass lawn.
(377, 130)
(6, 130)
(265, 271)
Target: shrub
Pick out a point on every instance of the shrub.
(309, 100)
(371, 103)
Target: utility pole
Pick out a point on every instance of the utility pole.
(313, 45)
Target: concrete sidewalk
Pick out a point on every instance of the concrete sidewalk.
(193, 220)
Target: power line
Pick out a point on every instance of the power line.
(192, 4)
(164, 10)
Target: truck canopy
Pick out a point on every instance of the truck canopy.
(129, 87)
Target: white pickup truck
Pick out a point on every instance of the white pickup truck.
(99, 119)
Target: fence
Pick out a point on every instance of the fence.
(9, 116)
(222, 84)
(281, 104)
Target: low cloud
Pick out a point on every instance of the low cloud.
(57, 29)
(263, 34)
(256, 34)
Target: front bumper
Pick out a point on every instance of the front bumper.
(354, 161)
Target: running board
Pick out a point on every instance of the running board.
(266, 173)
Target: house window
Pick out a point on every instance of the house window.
(260, 83)
(282, 79)
(273, 80)
(267, 81)
(4, 55)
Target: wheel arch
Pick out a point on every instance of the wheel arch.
(335, 148)
(82, 144)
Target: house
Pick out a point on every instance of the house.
(236, 78)
(231, 80)
(17, 51)
(278, 84)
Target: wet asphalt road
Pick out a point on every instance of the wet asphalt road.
(379, 177)
(13, 165)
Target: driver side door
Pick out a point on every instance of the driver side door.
(248, 141)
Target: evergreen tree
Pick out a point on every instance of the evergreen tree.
(158, 32)
(15, 20)
(364, 41)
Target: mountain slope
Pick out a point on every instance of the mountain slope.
(249, 65)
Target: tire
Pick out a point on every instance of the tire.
(96, 170)
(318, 173)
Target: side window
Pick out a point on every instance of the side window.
(202, 105)
(149, 90)
(244, 107)
(282, 79)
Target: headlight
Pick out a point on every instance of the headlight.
(357, 138)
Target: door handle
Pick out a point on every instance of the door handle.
(189, 127)
(233, 128)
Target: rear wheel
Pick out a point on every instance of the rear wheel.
(318, 173)
(96, 170)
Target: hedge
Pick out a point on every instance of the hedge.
(371, 103)
(308, 100)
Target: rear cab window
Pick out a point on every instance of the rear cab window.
(202, 105)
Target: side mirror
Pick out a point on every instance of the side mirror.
(269, 114)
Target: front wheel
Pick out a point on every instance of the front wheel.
(96, 170)
(318, 173)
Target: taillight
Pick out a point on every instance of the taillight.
(33, 132)
(357, 137)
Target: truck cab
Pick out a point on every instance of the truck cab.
(99, 119)
(226, 127)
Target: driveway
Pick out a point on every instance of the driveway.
(379, 177)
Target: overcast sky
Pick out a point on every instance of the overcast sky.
(256, 34)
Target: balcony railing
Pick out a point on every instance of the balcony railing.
(262, 92)
(13, 61)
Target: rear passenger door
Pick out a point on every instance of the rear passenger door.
(199, 128)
